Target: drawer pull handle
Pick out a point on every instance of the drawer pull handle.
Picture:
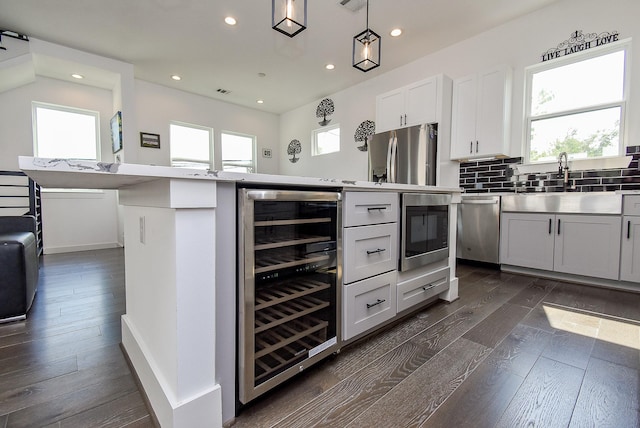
(428, 287)
(378, 301)
(376, 209)
(379, 250)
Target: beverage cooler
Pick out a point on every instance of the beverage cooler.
(289, 281)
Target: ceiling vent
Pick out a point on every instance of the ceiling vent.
(223, 91)
(353, 5)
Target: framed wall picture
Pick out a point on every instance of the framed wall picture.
(150, 140)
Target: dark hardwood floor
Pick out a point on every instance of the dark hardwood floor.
(513, 351)
(63, 366)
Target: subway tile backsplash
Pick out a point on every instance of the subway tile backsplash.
(497, 175)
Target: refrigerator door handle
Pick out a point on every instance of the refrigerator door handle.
(394, 161)
(389, 155)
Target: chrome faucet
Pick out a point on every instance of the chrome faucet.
(563, 167)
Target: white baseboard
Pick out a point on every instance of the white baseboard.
(74, 248)
(202, 410)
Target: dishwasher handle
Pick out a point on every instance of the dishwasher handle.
(480, 202)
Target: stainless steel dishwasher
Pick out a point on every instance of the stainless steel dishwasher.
(479, 228)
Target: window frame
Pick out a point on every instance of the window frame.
(314, 139)
(68, 109)
(209, 129)
(254, 145)
(530, 71)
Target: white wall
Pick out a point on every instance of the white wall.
(518, 43)
(157, 105)
(71, 221)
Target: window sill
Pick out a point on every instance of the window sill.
(577, 165)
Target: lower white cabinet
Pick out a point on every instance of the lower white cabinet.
(527, 240)
(422, 288)
(587, 245)
(369, 251)
(368, 303)
(630, 250)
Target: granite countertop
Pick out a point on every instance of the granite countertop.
(78, 174)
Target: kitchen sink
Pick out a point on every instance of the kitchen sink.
(572, 203)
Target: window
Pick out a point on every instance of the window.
(238, 152)
(191, 146)
(65, 132)
(326, 140)
(577, 104)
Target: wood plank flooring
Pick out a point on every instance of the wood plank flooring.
(512, 351)
(63, 366)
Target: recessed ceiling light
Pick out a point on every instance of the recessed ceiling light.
(329, 66)
(77, 76)
(230, 20)
(260, 101)
(395, 32)
(176, 77)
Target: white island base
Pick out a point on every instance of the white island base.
(180, 261)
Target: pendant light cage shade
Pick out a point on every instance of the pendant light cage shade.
(289, 16)
(366, 50)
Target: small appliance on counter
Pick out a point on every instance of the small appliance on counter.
(406, 155)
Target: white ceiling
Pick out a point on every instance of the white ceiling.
(190, 38)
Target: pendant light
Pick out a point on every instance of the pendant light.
(289, 16)
(366, 48)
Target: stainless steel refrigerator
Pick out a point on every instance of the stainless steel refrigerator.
(406, 155)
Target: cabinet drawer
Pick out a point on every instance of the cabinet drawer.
(369, 251)
(364, 208)
(422, 288)
(631, 205)
(369, 303)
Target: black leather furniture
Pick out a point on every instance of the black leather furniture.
(19, 266)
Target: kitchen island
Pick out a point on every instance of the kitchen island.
(180, 260)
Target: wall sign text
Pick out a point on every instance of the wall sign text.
(578, 42)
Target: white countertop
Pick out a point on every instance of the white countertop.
(78, 174)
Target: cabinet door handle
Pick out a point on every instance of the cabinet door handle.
(629, 229)
(400, 120)
(550, 221)
(405, 120)
(378, 301)
(376, 208)
(379, 250)
(558, 226)
(470, 146)
(476, 146)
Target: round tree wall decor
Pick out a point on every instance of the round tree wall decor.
(325, 108)
(364, 132)
(294, 148)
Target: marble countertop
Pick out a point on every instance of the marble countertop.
(78, 174)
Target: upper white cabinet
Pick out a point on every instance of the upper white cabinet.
(407, 106)
(481, 109)
(630, 252)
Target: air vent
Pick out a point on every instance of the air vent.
(353, 5)
(223, 91)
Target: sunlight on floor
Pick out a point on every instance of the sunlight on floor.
(591, 324)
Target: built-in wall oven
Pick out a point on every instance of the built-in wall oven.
(424, 236)
(289, 284)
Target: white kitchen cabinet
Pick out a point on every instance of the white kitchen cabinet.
(481, 110)
(630, 249)
(369, 251)
(370, 303)
(407, 106)
(587, 245)
(366, 208)
(527, 240)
